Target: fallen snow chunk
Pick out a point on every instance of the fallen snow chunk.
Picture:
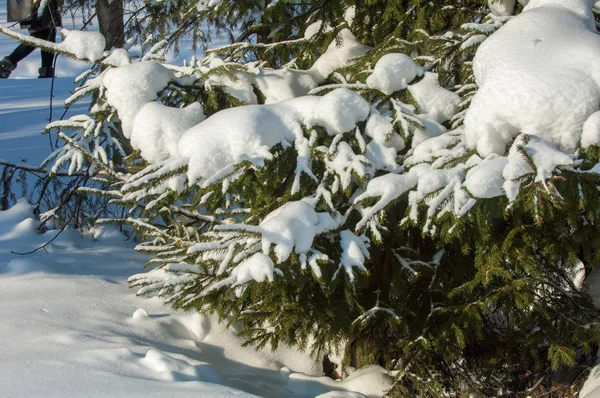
(538, 75)
(130, 87)
(393, 72)
(256, 268)
(157, 129)
(140, 314)
(485, 180)
(84, 45)
(337, 56)
(434, 100)
(591, 131)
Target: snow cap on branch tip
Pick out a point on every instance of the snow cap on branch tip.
(538, 75)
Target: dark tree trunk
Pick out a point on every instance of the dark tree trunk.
(110, 21)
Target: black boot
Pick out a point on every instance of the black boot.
(6, 67)
(46, 72)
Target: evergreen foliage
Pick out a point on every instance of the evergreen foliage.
(458, 293)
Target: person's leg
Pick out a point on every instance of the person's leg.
(47, 69)
(9, 63)
(20, 53)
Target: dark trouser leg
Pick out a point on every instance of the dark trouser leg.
(24, 50)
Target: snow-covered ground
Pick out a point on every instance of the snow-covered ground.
(71, 327)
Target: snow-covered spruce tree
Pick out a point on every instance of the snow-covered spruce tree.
(356, 205)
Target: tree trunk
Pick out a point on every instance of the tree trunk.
(110, 21)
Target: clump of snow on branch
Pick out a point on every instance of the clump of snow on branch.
(84, 45)
(537, 75)
(130, 87)
(393, 72)
(247, 133)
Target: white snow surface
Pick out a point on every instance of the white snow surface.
(537, 75)
(591, 388)
(437, 103)
(337, 55)
(248, 132)
(84, 45)
(591, 131)
(502, 8)
(76, 329)
(130, 87)
(393, 72)
(157, 129)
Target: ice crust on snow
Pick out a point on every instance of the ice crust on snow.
(538, 75)
(83, 44)
(393, 72)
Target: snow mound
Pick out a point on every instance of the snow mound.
(437, 103)
(84, 45)
(371, 381)
(247, 133)
(591, 131)
(157, 129)
(485, 180)
(130, 87)
(591, 388)
(537, 75)
(337, 55)
(392, 73)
